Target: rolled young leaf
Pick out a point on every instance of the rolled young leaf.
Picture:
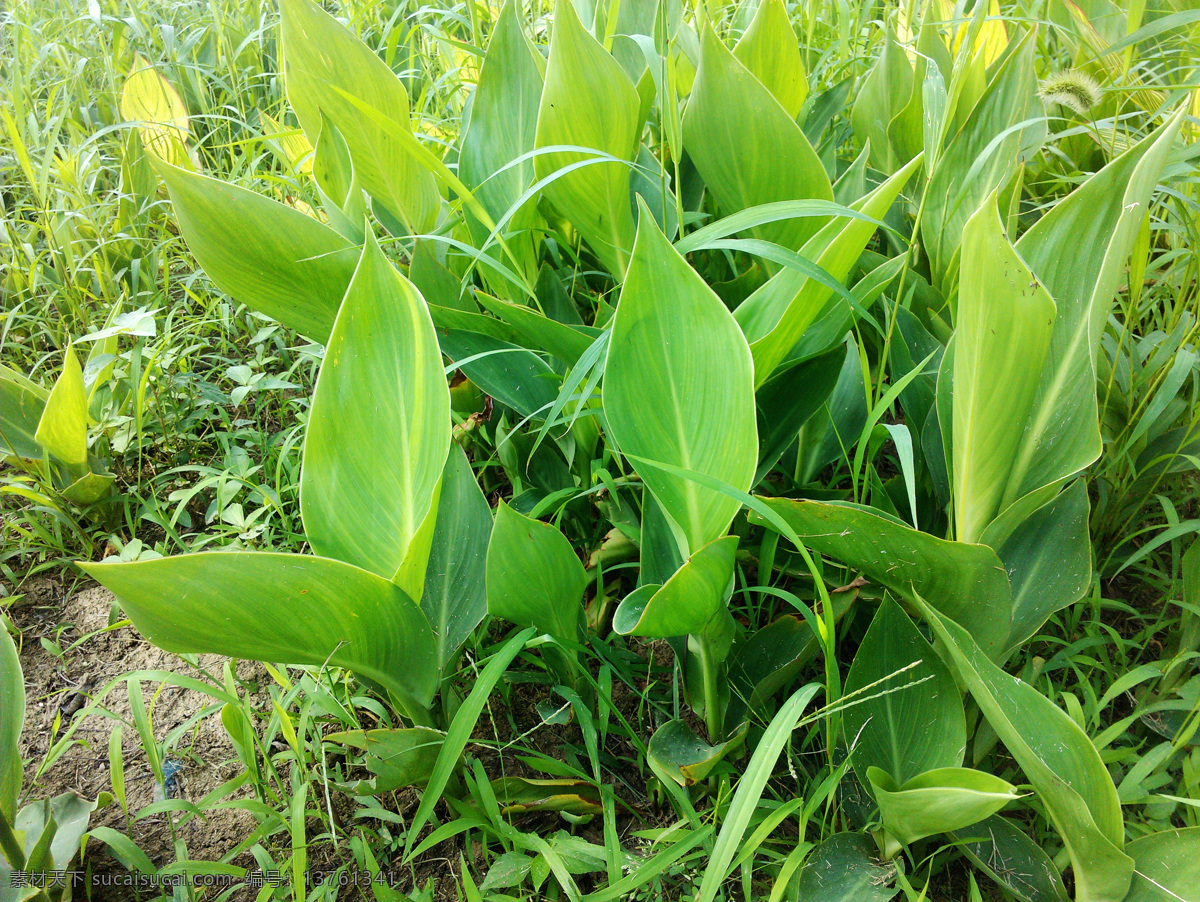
(689, 600)
(1078, 252)
(379, 429)
(12, 718)
(770, 51)
(1007, 120)
(679, 388)
(62, 429)
(288, 608)
(937, 801)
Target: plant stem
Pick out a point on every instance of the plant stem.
(709, 668)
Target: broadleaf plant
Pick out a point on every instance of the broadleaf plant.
(796, 374)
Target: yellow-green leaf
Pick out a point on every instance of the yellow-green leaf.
(152, 102)
(323, 62)
(379, 430)
(679, 388)
(769, 50)
(589, 102)
(62, 430)
(288, 608)
(747, 148)
(265, 254)
(1002, 307)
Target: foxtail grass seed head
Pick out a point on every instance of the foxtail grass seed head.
(1073, 89)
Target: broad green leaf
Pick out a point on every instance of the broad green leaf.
(769, 50)
(265, 254)
(564, 342)
(454, 599)
(71, 813)
(503, 120)
(1078, 252)
(904, 731)
(534, 577)
(768, 660)
(982, 157)
(937, 801)
(785, 402)
(844, 869)
(589, 103)
(12, 718)
(509, 373)
(688, 602)
(684, 756)
(89, 488)
(1005, 852)
(1001, 306)
(1058, 758)
(885, 92)
(1049, 561)
(152, 102)
(322, 59)
(679, 387)
(21, 406)
(775, 317)
(62, 430)
(289, 608)
(397, 758)
(747, 148)
(379, 429)
(1166, 866)
(965, 582)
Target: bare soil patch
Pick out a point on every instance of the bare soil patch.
(61, 684)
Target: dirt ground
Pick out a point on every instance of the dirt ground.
(51, 617)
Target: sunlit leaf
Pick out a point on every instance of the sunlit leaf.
(589, 102)
(286, 608)
(379, 430)
(321, 59)
(678, 387)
